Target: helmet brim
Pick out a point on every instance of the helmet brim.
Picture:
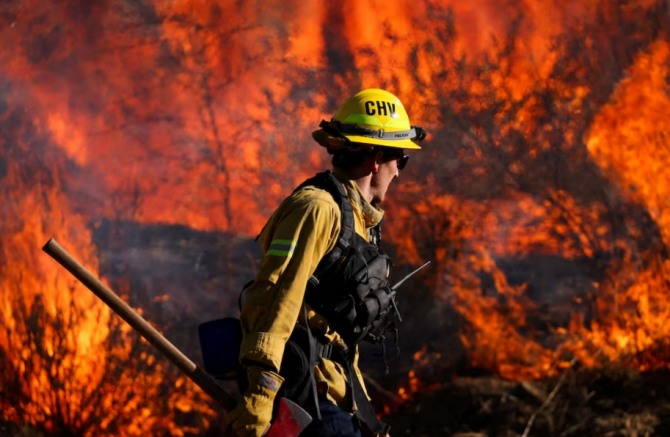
(398, 144)
(329, 141)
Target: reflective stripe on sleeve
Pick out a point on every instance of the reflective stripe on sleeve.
(280, 247)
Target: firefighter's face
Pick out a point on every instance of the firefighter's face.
(387, 169)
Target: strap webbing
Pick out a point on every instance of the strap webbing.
(327, 181)
(361, 404)
(312, 363)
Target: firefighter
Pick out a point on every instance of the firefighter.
(304, 314)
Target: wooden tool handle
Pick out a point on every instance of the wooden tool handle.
(169, 350)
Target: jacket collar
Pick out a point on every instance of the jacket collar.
(372, 215)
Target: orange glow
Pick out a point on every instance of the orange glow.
(58, 335)
(423, 359)
(629, 138)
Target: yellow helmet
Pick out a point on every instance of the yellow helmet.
(371, 117)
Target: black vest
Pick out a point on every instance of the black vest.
(350, 286)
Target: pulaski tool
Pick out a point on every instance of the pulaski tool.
(290, 419)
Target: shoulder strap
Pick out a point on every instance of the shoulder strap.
(326, 181)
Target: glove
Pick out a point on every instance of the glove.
(251, 418)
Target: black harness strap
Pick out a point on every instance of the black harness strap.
(361, 405)
(328, 182)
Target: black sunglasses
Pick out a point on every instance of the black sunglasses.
(402, 161)
(400, 158)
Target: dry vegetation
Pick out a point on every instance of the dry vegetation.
(578, 403)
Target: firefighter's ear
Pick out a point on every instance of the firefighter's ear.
(376, 161)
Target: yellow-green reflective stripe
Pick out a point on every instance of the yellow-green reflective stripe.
(281, 248)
